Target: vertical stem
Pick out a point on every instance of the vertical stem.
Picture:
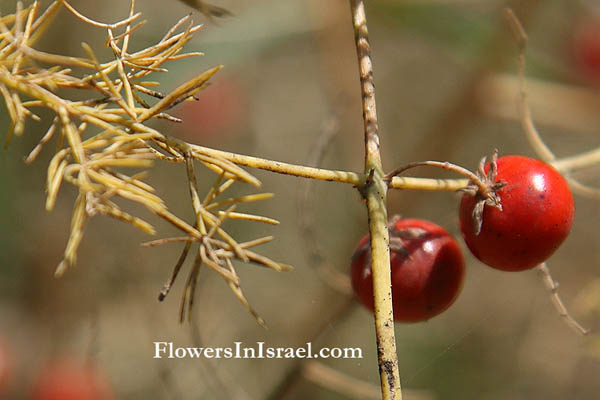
(375, 192)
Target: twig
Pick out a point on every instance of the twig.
(329, 378)
(558, 304)
(100, 24)
(566, 107)
(532, 134)
(536, 141)
(167, 286)
(375, 192)
(321, 174)
(579, 161)
(460, 110)
(483, 188)
(353, 388)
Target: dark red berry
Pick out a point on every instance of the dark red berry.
(427, 269)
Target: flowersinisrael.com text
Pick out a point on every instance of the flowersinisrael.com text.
(260, 350)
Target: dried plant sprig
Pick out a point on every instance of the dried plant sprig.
(95, 162)
(216, 254)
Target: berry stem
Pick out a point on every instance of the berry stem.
(484, 189)
(374, 189)
(580, 161)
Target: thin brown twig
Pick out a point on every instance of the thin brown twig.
(351, 387)
(483, 188)
(552, 286)
(167, 286)
(332, 379)
(533, 136)
(100, 24)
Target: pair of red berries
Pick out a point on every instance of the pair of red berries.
(534, 217)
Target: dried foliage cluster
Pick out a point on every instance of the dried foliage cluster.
(101, 138)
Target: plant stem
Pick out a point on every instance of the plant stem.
(375, 192)
(552, 286)
(322, 174)
(580, 161)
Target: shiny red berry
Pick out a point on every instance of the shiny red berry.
(536, 216)
(427, 269)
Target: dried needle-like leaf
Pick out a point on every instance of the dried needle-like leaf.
(250, 217)
(77, 223)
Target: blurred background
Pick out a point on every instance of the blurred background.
(446, 90)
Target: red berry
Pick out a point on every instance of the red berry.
(427, 265)
(586, 48)
(536, 216)
(220, 110)
(69, 380)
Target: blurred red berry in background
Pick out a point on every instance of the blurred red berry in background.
(586, 48)
(66, 379)
(220, 110)
(6, 366)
